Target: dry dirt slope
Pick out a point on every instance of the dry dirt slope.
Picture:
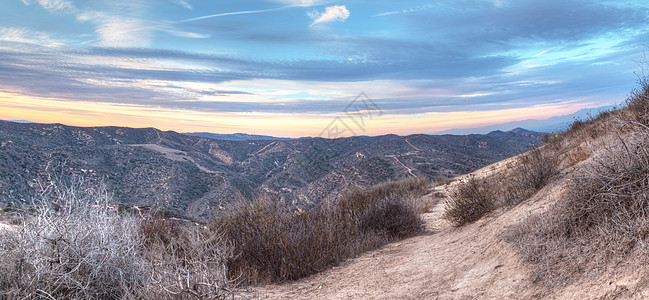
(472, 262)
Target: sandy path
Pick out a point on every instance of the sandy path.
(442, 263)
(411, 145)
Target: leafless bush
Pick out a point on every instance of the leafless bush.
(358, 196)
(76, 247)
(470, 201)
(275, 242)
(533, 170)
(391, 215)
(184, 262)
(638, 102)
(536, 168)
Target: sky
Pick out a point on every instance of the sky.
(297, 68)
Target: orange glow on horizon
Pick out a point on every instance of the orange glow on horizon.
(15, 106)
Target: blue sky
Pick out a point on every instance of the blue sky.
(289, 67)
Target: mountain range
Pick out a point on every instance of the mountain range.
(235, 136)
(197, 175)
(554, 124)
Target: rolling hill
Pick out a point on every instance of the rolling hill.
(196, 175)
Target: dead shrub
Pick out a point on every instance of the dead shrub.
(184, 262)
(469, 201)
(476, 197)
(75, 247)
(576, 156)
(159, 230)
(359, 196)
(533, 170)
(275, 242)
(536, 168)
(638, 102)
(392, 216)
(603, 216)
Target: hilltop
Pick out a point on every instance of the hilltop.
(197, 175)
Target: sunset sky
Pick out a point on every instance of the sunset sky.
(291, 67)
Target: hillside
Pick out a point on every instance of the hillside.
(194, 175)
(580, 235)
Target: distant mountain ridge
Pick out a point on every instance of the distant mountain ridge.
(236, 136)
(196, 176)
(553, 124)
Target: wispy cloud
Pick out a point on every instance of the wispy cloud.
(331, 14)
(404, 11)
(424, 59)
(190, 35)
(544, 52)
(183, 4)
(51, 5)
(26, 36)
(118, 31)
(243, 12)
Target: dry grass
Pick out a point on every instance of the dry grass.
(638, 102)
(77, 246)
(476, 197)
(603, 216)
(275, 242)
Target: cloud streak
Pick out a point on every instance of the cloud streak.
(234, 13)
(183, 4)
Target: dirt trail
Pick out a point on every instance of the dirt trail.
(471, 262)
(262, 149)
(411, 145)
(398, 161)
(442, 263)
